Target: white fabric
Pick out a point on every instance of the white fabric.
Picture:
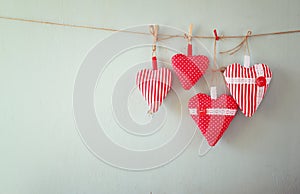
(247, 61)
(238, 80)
(215, 111)
(220, 111)
(193, 111)
(213, 92)
(260, 72)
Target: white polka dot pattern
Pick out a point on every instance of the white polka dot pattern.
(189, 69)
(212, 126)
(248, 86)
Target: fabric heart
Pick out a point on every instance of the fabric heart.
(154, 86)
(189, 69)
(212, 116)
(248, 86)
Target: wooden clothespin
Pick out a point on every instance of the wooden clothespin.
(190, 34)
(189, 37)
(154, 32)
(216, 35)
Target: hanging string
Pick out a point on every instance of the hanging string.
(239, 46)
(164, 36)
(247, 45)
(188, 37)
(215, 67)
(215, 48)
(154, 31)
(215, 54)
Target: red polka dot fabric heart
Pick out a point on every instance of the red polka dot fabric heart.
(248, 86)
(154, 86)
(189, 69)
(212, 116)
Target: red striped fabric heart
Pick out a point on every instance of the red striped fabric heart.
(154, 84)
(248, 86)
(189, 69)
(212, 116)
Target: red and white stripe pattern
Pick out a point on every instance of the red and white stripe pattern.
(248, 86)
(154, 86)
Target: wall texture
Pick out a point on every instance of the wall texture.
(41, 151)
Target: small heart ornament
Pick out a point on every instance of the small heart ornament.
(248, 85)
(154, 85)
(212, 115)
(188, 68)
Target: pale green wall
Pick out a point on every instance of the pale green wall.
(41, 151)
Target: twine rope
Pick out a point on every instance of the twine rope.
(165, 36)
(240, 45)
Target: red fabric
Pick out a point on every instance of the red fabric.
(189, 69)
(212, 126)
(154, 63)
(154, 86)
(190, 50)
(248, 95)
(216, 35)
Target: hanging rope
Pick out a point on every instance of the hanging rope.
(166, 36)
(239, 46)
